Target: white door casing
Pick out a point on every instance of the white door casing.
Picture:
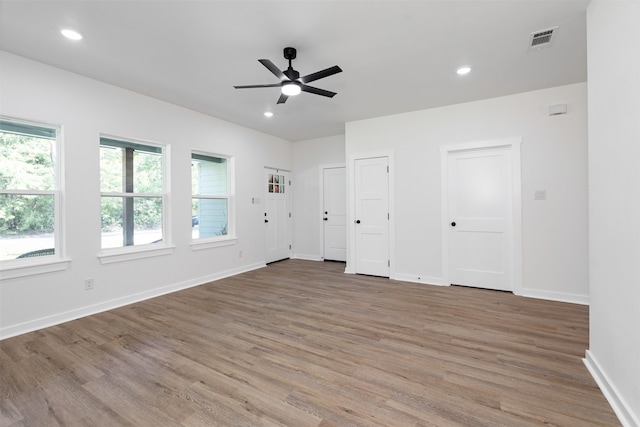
(277, 220)
(334, 213)
(371, 213)
(481, 196)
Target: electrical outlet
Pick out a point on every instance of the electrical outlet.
(88, 284)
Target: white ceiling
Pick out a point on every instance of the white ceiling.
(396, 56)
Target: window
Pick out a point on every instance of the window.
(131, 193)
(210, 202)
(30, 217)
(276, 183)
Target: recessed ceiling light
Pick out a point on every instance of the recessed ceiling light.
(71, 34)
(465, 69)
(268, 114)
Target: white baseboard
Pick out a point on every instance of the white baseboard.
(556, 296)
(617, 402)
(56, 319)
(426, 280)
(307, 257)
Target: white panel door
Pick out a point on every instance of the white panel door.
(277, 220)
(372, 216)
(479, 198)
(335, 213)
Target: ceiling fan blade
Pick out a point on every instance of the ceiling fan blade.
(283, 98)
(316, 91)
(271, 67)
(321, 74)
(254, 86)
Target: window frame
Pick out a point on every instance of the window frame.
(230, 238)
(21, 267)
(164, 247)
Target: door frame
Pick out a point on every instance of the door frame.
(351, 209)
(321, 170)
(515, 245)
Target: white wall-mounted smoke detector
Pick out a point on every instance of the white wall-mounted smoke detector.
(542, 38)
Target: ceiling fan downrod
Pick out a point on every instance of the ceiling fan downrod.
(290, 54)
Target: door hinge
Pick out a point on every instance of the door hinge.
(289, 182)
(388, 263)
(388, 218)
(289, 247)
(289, 214)
(387, 169)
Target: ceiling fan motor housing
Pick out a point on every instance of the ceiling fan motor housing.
(289, 53)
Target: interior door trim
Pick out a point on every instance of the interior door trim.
(514, 146)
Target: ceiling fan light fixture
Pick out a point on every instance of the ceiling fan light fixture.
(291, 89)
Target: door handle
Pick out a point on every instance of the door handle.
(266, 220)
(326, 219)
(453, 224)
(357, 221)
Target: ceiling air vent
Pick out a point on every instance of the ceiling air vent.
(541, 39)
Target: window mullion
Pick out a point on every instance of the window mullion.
(127, 165)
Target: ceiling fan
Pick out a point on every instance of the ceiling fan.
(291, 83)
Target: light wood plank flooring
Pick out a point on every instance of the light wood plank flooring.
(299, 344)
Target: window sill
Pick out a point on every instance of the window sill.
(128, 254)
(198, 245)
(30, 267)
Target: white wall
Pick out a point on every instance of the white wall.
(554, 158)
(85, 108)
(308, 158)
(613, 33)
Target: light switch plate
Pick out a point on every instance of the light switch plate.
(540, 195)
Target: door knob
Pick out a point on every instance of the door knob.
(357, 221)
(453, 224)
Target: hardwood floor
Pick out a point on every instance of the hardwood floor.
(299, 343)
